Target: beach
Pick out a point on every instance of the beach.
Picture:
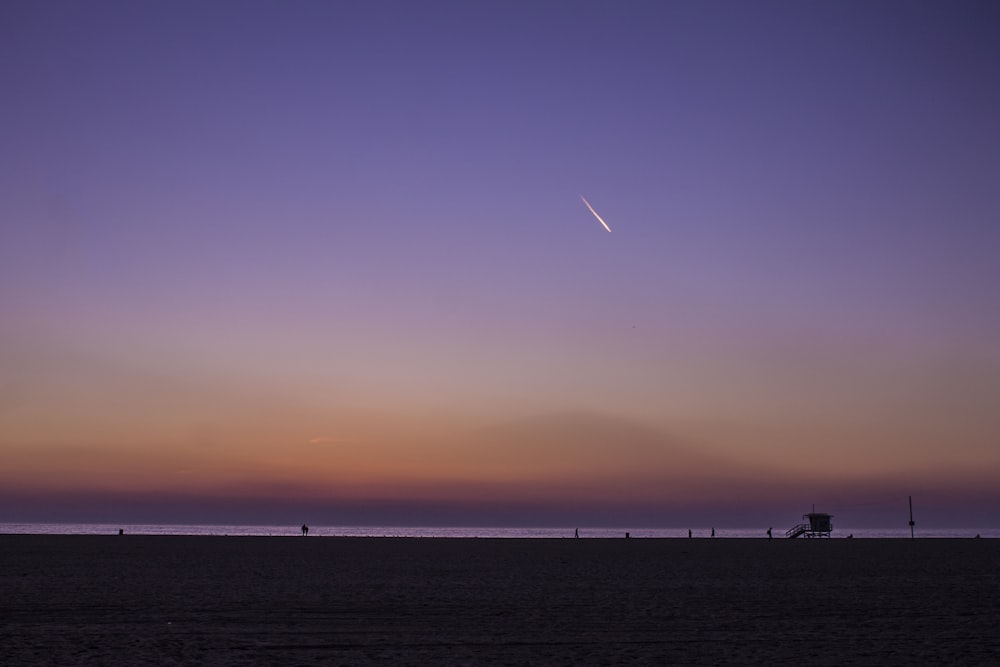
(77, 599)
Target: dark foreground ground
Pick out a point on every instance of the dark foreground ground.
(68, 600)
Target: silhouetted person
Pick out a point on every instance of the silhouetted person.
(305, 530)
(626, 536)
(768, 533)
(121, 531)
(689, 532)
(576, 532)
(713, 532)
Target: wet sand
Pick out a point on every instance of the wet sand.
(329, 600)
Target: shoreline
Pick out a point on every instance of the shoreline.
(598, 538)
(469, 531)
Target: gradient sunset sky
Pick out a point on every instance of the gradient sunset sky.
(328, 261)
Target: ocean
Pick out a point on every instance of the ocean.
(465, 531)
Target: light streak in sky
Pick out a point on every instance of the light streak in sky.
(599, 218)
(324, 440)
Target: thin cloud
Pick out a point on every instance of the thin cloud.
(327, 440)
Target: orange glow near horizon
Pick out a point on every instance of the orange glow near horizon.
(561, 457)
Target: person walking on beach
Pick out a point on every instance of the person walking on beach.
(768, 533)
(689, 532)
(713, 532)
(576, 532)
(305, 530)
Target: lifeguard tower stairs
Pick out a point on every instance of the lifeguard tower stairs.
(819, 525)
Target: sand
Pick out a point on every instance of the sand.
(328, 600)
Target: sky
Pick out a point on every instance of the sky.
(328, 261)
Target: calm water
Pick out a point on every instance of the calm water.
(437, 531)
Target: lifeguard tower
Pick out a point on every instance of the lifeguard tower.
(820, 525)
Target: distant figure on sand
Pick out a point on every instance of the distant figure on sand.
(713, 532)
(689, 532)
(768, 533)
(576, 532)
(305, 530)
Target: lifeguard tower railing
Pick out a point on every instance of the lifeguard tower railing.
(819, 525)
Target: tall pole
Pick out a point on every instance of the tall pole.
(911, 517)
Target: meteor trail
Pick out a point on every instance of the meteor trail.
(599, 218)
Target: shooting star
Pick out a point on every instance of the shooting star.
(599, 218)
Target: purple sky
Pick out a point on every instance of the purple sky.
(332, 255)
